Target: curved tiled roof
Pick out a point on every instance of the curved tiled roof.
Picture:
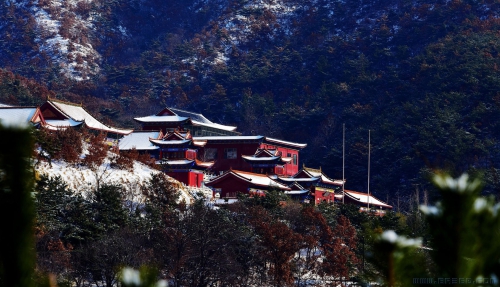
(252, 178)
(172, 142)
(138, 140)
(285, 143)
(79, 114)
(228, 138)
(320, 174)
(161, 119)
(254, 158)
(201, 120)
(17, 116)
(364, 198)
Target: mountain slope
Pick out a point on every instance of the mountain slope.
(421, 75)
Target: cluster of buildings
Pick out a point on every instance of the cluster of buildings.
(203, 154)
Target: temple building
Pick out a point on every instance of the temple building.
(226, 147)
(178, 156)
(196, 151)
(267, 161)
(226, 151)
(289, 151)
(319, 186)
(230, 183)
(251, 154)
(60, 114)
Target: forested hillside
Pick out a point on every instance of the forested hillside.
(421, 75)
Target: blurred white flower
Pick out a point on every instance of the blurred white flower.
(400, 241)
(389, 236)
(460, 185)
(131, 276)
(430, 210)
(480, 204)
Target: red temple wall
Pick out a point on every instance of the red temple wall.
(180, 176)
(195, 178)
(223, 164)
(229, 187)
(321, 195)
(189, 178)
(290, 168)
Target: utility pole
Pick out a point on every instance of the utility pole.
(343, 163)
(369, 150)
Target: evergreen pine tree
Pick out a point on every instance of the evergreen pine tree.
(16, 208)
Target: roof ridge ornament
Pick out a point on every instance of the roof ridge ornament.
(65, 102)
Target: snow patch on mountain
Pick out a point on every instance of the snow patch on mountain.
(63, 35)
(274, 15)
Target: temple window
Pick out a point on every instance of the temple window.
(210, 154)
(230, 153)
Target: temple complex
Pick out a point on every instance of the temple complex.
(203, 154)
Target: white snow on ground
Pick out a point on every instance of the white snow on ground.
(81, 179)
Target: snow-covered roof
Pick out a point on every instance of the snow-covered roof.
(17, 116)
(296, 191)
(293, 179)
(193, 116)
(214, 125)
(260, 179)
(138, 140)
(161, 119)
(286, 143)
(339, 182)
(206, 164)
(254, 158)
(201, 120)
(364, 198)
(79, 114)
(199, 143)
(252, 178)
(172, 142)
(178, 162)
(320, 174)
(267, 152)
(63, 123)
(228, 138)
(176, 135)
(266, 155)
